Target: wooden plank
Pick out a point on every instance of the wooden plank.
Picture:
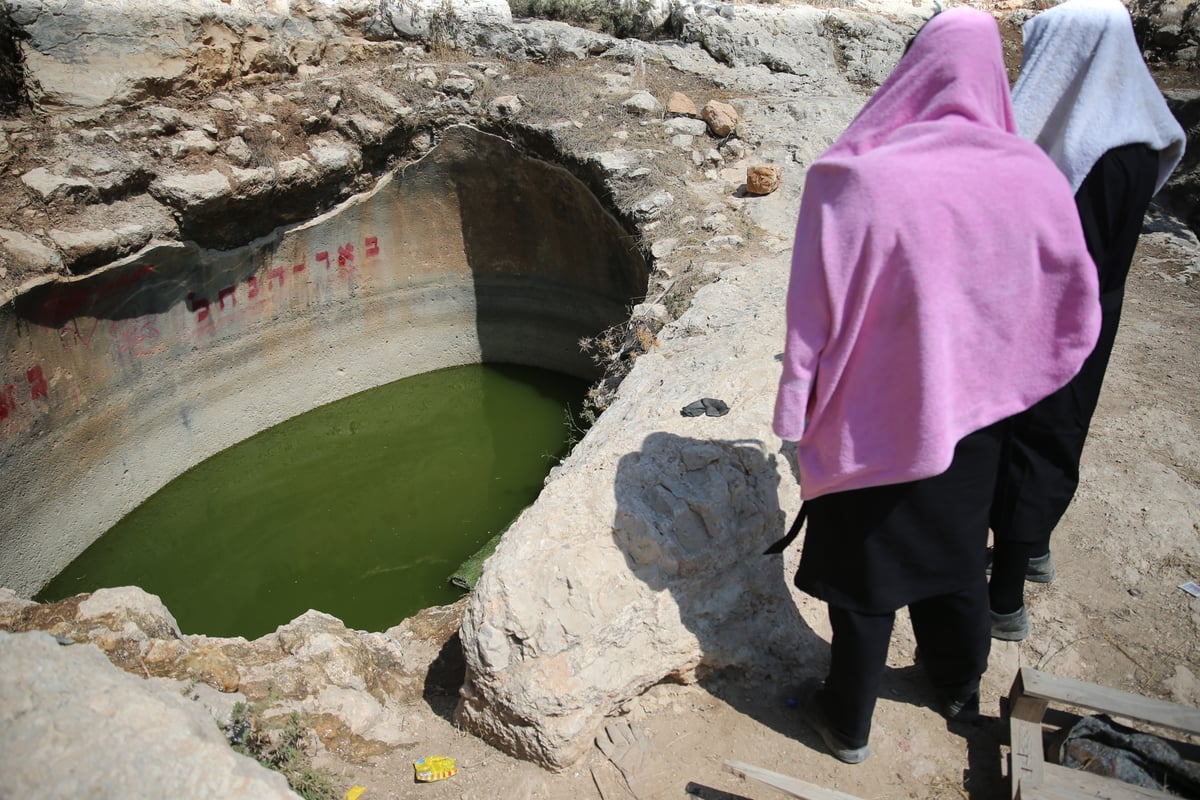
(1053, 793)
(1028, 754)
(1110, 701)
(1098, 786)
(793, 787)
(1027, 765)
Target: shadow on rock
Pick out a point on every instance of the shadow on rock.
(693, 519)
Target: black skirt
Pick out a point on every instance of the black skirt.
(878, 549)
(1039, 472)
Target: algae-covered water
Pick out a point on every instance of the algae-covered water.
(362, 508)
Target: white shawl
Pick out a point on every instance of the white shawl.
(1084, 89)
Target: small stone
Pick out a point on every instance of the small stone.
(458, 86)
(680, 104)
(508, 105)
(763, 178)
(722, 118)
(642, 103)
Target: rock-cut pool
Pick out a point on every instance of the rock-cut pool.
(362, 508)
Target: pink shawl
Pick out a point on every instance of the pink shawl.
(940, 281)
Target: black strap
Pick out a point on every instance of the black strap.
(791, 535)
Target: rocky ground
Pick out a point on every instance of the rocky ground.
(1115, 616)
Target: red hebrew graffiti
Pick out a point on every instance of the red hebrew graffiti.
(345, 254)
(228, 291)
(199, 305)
(298, 268)
(8, 401)
(323, 256)
(372, 245)
(253, 288)
(37, 383)
(275, 275)
(71, 335)
(131, 336)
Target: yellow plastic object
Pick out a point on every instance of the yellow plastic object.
(434, 768)
(355, 792)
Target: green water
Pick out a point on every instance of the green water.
(362, 508)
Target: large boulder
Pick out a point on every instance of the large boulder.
(72, 725)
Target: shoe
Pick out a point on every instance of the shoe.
(1037, 570)
(1041, 569)
(964, 709)
(1012, 627)
(814, 715)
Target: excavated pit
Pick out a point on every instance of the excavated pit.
(114, 383)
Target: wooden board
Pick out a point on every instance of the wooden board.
(793, 787)
(1110, 701)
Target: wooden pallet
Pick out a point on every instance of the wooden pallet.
(1033, 779)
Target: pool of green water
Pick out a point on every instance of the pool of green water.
(362, 508)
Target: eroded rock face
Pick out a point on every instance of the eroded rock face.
(90, 54)
(1181, 195)
(358, 691)
(1168, 30)
(70, 721)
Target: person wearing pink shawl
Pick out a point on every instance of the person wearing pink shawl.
(1085, 96)
(940, 284)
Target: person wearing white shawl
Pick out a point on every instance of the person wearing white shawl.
(1086, 97)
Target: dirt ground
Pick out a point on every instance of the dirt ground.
(1115, 616)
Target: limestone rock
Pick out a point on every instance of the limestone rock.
(192, 142)
(358, 690)
(1181, 195)
(72, 725)
(763, 178)
(508, 105)
(413, 19)
(687, 125)
(642, 103)
(652, 207)
(679, 103)
(20, 250)
(106, 232)
(819, 46)
(721, 117)
(616, 162)
(457, 85)
(187, 192)
(50, 187)
(1169, 30)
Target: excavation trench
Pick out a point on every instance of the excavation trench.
(115, 383)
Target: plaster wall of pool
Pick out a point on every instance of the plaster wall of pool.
(114, 383)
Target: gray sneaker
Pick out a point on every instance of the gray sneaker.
(1012, 627)
(814, 714)
(839, 749)
(1040, 569)
(1037, 570)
